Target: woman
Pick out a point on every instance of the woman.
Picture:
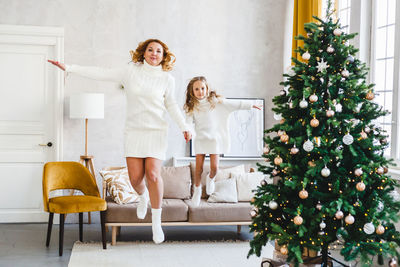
(149, 92)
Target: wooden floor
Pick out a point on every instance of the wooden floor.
(24, 244)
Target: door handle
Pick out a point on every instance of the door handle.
(49, 144)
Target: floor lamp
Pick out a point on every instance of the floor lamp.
(87, 106)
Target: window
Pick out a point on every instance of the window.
(343, 11)
(382, 62)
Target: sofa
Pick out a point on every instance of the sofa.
(228, 205)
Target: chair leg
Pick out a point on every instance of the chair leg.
(103, 228)
(61, 237)
(49, 226)
(80, 226)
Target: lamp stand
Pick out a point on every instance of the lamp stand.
(87, 161)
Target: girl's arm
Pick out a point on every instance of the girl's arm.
(96, 73)
(172, 107)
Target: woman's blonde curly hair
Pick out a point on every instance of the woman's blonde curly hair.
(192, 101)
(168, 57)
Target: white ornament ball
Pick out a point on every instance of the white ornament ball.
(306, 56)
(338, 108)
(318, 206)
(337, 32)
(330, 113)
(291, 72)
(322, 225)
(369, 228)
(275, 172)
(363, 135)
(290, 104)
(303, 103)
(339, 214)
(308, 146)
(394, 195)
(349, 219)
(367, 129)
(330, 49)
(253, 213)
(348, 139)
(282, 92)
(277, 116)
(266, 150)
(358, 172)
(380, 170)
(313, 98)
(380, 207)
(281, 132)
(273, 205)
(345, 73)
(325, 172)
(263, 182)
(360, 186)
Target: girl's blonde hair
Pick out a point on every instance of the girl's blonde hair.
(191, 100)
(168, 57)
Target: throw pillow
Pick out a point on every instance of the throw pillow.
(118, 185)
(225, 191)
(206, 170)
(177, 182)
(246, 183)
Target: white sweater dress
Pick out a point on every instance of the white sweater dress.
(149, 94)
(211, 129)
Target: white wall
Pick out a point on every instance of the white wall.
(236, 44)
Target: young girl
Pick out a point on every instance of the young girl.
(209, 113)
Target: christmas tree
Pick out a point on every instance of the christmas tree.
(331, 184)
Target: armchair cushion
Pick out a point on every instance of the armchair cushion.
(74, 204)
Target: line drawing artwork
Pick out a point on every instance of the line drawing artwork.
(243, 119)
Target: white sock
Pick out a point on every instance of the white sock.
(210, 185)
(196, 195)
(142, 205)
(158, 234)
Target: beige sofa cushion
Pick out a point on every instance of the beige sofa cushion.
(223, 173)
(246, 183)
(225, 191)
(173, 210)
(177, 182)
(219, 212)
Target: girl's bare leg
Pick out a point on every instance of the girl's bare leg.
(210, 182)
(197, 179)
(136, 170)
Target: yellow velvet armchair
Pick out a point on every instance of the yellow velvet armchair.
(71, 175)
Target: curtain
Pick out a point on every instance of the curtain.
(303, 12)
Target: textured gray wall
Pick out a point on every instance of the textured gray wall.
(236, 44)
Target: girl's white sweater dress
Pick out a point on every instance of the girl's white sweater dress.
(149, 94)
(211, 129)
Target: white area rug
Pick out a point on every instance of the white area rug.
(167, 254)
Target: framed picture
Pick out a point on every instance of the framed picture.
(246, 128)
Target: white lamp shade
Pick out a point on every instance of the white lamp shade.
(86, 106)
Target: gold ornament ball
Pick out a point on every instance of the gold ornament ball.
(363, 135)
(284, 138)
(330, 113)
(380, 170)
(380, 229)
(385, 169)
(278, 160)
(294, 150)
(370, 95)
(360, 186)
(313, 98)
(284, 250)
(349, 219)
(339, 214)
(266, 150)
(282, 121)
(281, 132)
(303, 194)
(314, 123)
(298, 220)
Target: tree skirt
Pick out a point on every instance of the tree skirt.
(173, 254)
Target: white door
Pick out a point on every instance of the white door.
(31, 102)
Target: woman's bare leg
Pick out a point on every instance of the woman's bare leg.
(156, 189)
(154, 181)
(136, 173)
